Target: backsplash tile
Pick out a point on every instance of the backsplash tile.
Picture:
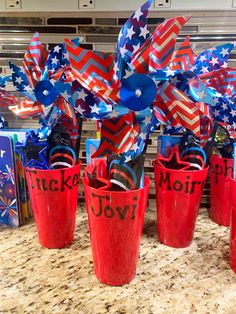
(21, 20)
(106, 21)
(40, 29)
(69, 21)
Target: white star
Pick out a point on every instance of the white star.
(28, 89)
(135, 147)
(1, 125)
(55, 60)
(143, 136)
(82, 95)
(193, 68)
(214, 61)
(212, 49)
(204, 69)
(40, 135)
(114, 114)
(137, 14)
(144, 32)
(52, 81)
(202, 58)
(65, 95)
(127, 158)
(79, 110)
(224, 65)
(216, 113)
(11, 71)
(123, 50)
(66, 55)
(233, 112)
(225, 119)
(147, 120)
(130, 32)
(18, 79)
(57, 49)
(128, 74)
(174, 80)
(224, 52)
(234, 125)
(94, 108)
(201, 94)
(116, 68)
(215, 100)
(224, 106)
(120, 35)
(136, 48)
(170, 72)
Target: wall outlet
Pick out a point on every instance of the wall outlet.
(162, 4)
(13, 4)
(86, 4)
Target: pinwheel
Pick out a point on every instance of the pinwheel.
(124, 81)
(190, 76)
(35, 81)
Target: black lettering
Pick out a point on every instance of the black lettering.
(38, 184)
(165, 179)
(64, 182)
(108, 211)
(75, 180)
(187, 185)
(53, 181)
(228, 169)
(122, 212)
(133, 211)
(179, 184)
(193, 185)
(100, 204)
(44, 185)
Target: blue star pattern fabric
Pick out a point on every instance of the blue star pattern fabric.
(20, 81)
(212, 59)
(131, 37)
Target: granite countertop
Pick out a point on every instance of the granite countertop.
(197, 279)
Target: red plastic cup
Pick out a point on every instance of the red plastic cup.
(115, 225)
(178, 196)
(220, 173)
(53, 196)
(232, 251)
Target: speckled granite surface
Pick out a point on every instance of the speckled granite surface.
(193, 280)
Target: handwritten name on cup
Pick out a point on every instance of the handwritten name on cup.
(187, 186)
(60, 184)
(224, 169)
(128, 211)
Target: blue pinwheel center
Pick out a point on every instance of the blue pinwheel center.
(137, 92)
(45, 92)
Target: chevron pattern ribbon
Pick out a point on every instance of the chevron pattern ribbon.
(117, 135)
(26, 108)
(156, 52)
(178, 109)
(6, 99)
(224, 81)
(94, 70)
(184, 57)
(34, 60)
